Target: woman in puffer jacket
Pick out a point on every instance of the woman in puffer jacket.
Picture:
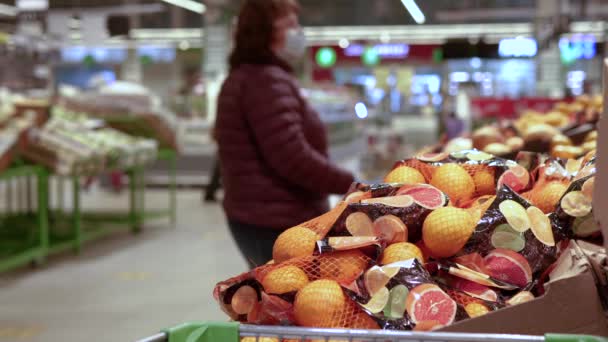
(273, 147)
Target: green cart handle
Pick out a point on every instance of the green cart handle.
(573, 338)
(204, 332)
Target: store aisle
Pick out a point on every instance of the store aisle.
(126, 286)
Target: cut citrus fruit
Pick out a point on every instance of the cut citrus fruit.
(284, 279)
(573, 165)
(319, 304)
(396, 303)
(521, 297)
(474, 289)
(478, 156)
(446, 230)
(576, 204)
(359, 224)
(459, 154)
(476, 309)
(404, 175)
(516, 177)
(344, 266)
(378, 301)
(432, 157)
(484, 182)
(294, 242)
(375, 279)
(401, 251)
(473, 261)
(427, 326)
(515, 214)
(427, 302)
(455, 181)
(587, 188)
(390, 229)
(400, 201)
(357, 196)
(426, 196)
(509, 266)
(541, 226)
(585, 226)
(244, 299)
(506, 237)
(547, 198)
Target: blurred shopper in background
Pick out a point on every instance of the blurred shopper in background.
(273, 147)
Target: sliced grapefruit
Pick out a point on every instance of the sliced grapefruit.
(515, 214)
(509, 266)
(390, 229)
(432, 157)
(474, 289)
(541, 226)
(425, 195)
(401, 201)
(516, 178)
(473, 261)
(427, 302)
(576, 204)
(359, 224)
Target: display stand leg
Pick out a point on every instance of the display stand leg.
(172, 188)
(134, 210)
(43, 223)
(76, 219)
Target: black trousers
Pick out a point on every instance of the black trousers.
(254, 242)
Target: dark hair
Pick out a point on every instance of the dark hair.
(255, 30)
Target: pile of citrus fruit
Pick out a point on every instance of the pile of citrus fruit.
(446, 237)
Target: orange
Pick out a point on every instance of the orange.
(284, 279)
(484, 182)
(476, 309)
(405, 175)
(343, 266)
(547, 197)
(401, 251)
(455, 181)
(362, 320)
(446, 230)
(294, 242)
(319, 304)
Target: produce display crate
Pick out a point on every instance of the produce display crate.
(23, 222)
(233, 332)
(78, 226)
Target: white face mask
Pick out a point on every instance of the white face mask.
(295, 45)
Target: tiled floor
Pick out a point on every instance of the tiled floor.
(126, 286)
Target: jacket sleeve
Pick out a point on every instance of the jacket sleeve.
(272, 112)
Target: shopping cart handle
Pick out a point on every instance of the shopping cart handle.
(204, 332)
(573, 338)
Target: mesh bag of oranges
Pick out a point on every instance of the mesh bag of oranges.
(462, 175)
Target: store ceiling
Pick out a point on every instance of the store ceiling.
(356, 12)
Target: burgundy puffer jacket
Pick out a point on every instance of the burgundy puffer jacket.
(273, 150)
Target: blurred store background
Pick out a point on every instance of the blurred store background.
(373, 68)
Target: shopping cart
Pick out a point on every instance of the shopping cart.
(232, 332)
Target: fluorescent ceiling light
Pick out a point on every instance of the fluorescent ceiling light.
(190, 5)
(8, 10)
(414, 10)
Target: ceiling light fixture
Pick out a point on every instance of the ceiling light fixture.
(414, 11)
(190, 5)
